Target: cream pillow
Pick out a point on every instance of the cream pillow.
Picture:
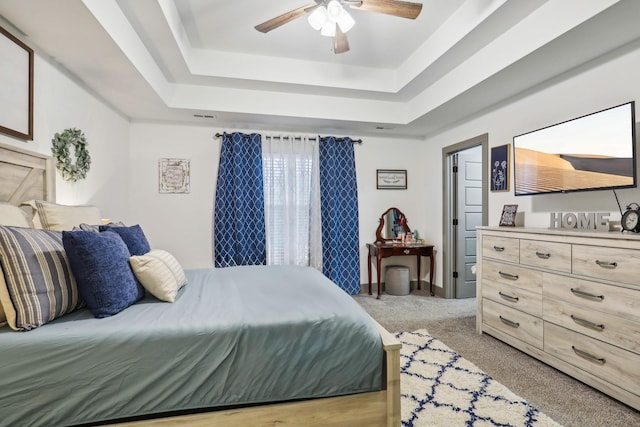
(35, 218)
(160, 274)
(13, 215)
(52, 216)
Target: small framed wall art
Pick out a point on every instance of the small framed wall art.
(500, 168)
(391, 179)
(174, 176)
(16, 87)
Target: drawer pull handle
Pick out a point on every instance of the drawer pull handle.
(508, 276)
(509, 322)
(590, 357)
(587, 324)
(587, 295)
(606, 264)
(498, 248)
(406, 251)
(509, 297)
(543, 255)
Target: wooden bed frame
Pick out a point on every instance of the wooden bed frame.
(26, 175)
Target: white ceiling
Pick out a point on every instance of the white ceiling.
(168, 60)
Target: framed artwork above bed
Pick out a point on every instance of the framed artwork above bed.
(174, 176)
(16, 87)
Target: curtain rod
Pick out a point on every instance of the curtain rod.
(355, 141)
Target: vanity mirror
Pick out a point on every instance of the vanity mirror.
(392, 223)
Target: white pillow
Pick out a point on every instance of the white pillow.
(160, 273)
(13, 215)
(52, 216)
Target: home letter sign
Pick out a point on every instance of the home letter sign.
(583, 220)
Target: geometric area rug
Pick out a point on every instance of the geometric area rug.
(442, 389)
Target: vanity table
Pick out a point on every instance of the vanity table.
(392, 224)
(385, 250)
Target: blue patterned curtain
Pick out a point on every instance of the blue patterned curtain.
(339, 207)
(238, 220)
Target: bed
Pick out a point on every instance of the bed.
(247, 346)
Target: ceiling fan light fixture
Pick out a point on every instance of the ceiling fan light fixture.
(326, 18)
(318, 17)
(334, 10)
(328, 29)
(345, 21)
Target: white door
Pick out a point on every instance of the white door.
(467, 211)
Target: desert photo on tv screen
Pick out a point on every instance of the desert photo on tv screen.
(590, 152)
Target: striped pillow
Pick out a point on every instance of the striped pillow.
(160, 274)
(39, 284)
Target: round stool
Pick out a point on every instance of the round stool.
(397, 280)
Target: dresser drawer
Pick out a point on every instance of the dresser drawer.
(611, 329)
(609, 299)
(512, 275)
(511, 296)
(502, 248)
(615, 264)
(612, 364)
(516, 323)
(549, 255)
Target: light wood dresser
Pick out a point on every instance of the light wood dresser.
(568, 298)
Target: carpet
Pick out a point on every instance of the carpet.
(441, 388)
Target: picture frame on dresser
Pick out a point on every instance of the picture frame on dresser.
(508, 216)
(16, 87)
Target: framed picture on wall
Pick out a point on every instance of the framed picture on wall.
(174, 176)
(16, 87)
(391, 179)
(500, 167)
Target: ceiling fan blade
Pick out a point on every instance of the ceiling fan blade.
(340, 42)
(278, 21)
(399, 8)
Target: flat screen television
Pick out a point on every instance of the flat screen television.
(592, 152)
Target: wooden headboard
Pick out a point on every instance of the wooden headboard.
(25, 175)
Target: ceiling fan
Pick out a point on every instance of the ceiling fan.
(330, 17)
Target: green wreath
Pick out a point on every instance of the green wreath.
(61, 151)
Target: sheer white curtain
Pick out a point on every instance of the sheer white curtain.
(292, 201)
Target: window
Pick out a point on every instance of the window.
(287, 171)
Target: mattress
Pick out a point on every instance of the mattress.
(234, 336)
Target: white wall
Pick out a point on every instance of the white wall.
(182, 223)
(179, 223)
(60, 103)
(415, 202)
(600, 85)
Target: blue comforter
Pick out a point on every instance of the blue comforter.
(234, 336)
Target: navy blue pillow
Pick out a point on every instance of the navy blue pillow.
(133, 237)
(100, 264)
